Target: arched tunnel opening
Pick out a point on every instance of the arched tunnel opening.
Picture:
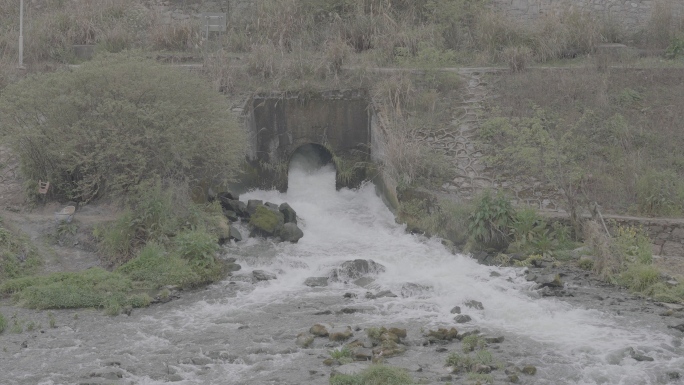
(310, 157)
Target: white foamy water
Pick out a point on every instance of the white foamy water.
(237, 332)
(573, 344)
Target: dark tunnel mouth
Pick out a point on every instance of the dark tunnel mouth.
(314, 155)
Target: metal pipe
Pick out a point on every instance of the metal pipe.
(21, 33)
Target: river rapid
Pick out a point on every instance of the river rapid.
(243, 332)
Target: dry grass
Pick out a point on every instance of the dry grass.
(608, 261)
(632, 117)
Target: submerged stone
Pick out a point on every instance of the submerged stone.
(442, 334)
(356, 269)
(316, 281)
(340, 334)
(304, 340)
(474, 304)
(319, 330)
(414, 290)
(529, 370)
(261, 275)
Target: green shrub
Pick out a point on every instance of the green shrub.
(157, 214)
(639, 278)
(491, 221)
(198, 247)
(660, 193)
(117, 239)
(634, 245)
(676, 48)
(586, 264)
(119, 120)
(459, 362)
(472, 342)
(343, 355)
(3, 323)
(664, 292)
(374, 375)
(18, 255)
(465, 362)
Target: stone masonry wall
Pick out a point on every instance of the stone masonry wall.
(630, 13)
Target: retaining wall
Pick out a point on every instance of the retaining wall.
(629, 13)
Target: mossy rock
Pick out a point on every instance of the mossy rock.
(388, 349)
(266, 222)
(319, 330)
(442, 334)
(529, 370)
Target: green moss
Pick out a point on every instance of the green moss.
(265, 219)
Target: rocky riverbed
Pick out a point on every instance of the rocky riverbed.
(251, 328)
(201, 338)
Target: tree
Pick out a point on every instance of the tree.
(118, 121)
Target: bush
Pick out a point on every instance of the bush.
(660, 192)
(198, 247)
(639, 277)
(3, 323)
(117, 121)
(18, 255)
(490, 222)
(518, 58)
(175, 35)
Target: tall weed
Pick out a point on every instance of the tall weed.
(491, 221)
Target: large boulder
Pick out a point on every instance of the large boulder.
(265, 222)
(289, 213)
(252, 205)
(235, 234)
(356, 269)
(290, 232)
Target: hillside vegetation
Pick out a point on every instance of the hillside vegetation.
(125, 127)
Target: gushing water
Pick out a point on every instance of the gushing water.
(238, 332)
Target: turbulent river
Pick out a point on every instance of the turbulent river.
(240, 332)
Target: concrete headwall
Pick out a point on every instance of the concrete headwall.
(629, 13)
(280, 123)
